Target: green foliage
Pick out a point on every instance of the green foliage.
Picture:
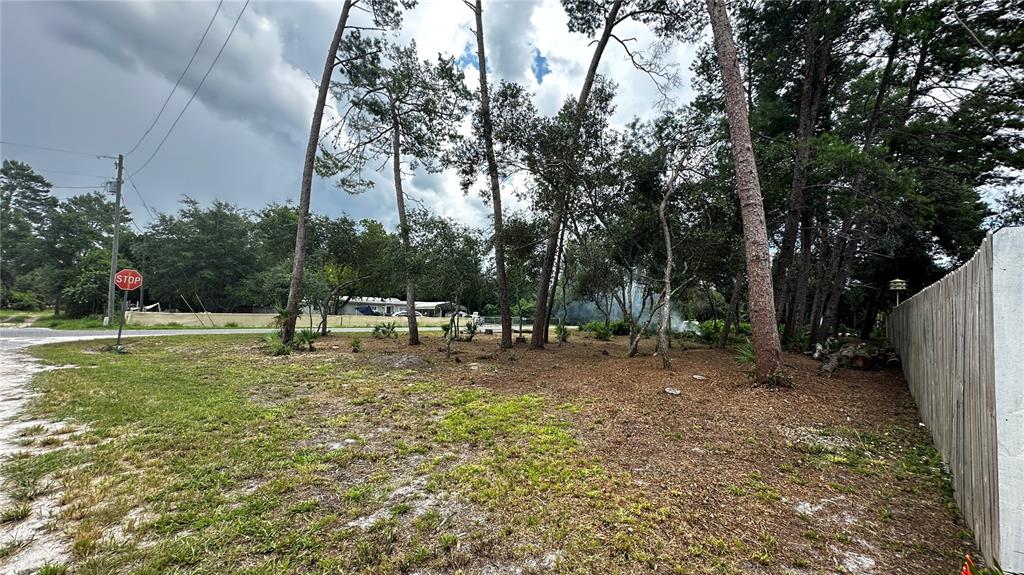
(305, 338)
(711, 329)
(562, 333)
(471, 329)
(745, 354)
(356, 344)
(19, 300)
(275, 346)
(86, 290)
(53, 569)
(385, 330)
(619, 327)
(602, 332)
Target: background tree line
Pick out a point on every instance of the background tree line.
(56, 253)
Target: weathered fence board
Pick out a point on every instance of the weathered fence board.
(960, 344)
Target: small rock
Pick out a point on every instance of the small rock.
(699, 377)
(672, 391)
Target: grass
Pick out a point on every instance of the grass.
(15, 512)
(230, 460)
(209, 455)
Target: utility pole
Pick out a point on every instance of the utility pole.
(117, 239)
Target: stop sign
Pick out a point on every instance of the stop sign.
(128, 280)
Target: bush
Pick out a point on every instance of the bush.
(619, 327)
(562, 333)
(745, 353)
(357, 344)
(471, 329)
(275, 346)
(385, 330)
(712, 328)
(20, 300)
(304, 339)
(603, 333)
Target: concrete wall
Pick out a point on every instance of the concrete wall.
(265, 320)
(1008, 354)
(960, 341)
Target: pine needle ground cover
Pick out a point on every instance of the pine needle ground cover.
(206, 455)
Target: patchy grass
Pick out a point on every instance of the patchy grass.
(203, 454)
(15, 512)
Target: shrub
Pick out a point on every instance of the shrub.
(711, 329)
(619, 327)
(385, 330)
(471, 329)
(603, 333)
(562, 333)
(745, 353)
(592, 326)
(275, 346)
(20, 300)
(304, 339)
(357, 344)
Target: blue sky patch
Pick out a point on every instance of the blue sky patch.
(468, 58)
(539, 66)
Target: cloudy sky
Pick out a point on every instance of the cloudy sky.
(91, 76)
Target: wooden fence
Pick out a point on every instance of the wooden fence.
(946, 338)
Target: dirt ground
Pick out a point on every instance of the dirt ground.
(400, 460)
(836, 474)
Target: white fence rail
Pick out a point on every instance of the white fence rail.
(960, 341)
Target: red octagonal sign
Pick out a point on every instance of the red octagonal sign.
(128, 280)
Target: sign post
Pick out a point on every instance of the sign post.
(126, 280)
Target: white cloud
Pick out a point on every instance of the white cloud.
(243, 138)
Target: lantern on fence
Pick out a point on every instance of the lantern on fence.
(897, 285)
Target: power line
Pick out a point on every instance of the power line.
(176, 84)
(196, 91)
(77, 153)
(70, 173)
(139, 194)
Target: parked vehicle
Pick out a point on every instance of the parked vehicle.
(403, 314)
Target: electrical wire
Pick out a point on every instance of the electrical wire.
(196, 91)
(180, 78)
(139, 194)
(70, 173)
(77, 153)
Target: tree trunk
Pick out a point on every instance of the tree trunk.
(870, 314)
(492, 172)
(734, 308)
(540, 313)
(748, 188)
(825, 279)
(664, 330)
(797, 311)
(301, 230)
(810, 100)
(403, 223)
(559, 262)
(849, 251)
